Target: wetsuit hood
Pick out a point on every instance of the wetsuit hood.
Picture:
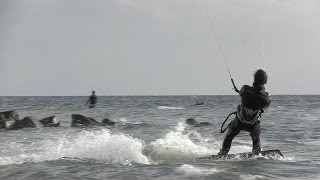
(257, 87)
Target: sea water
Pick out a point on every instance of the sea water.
(152, 141)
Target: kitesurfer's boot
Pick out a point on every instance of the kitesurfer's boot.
(222, 153)
(256, 151)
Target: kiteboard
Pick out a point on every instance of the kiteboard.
(263, 154)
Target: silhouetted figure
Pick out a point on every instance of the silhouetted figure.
(92, 100)
(254, 99)
(199, 103)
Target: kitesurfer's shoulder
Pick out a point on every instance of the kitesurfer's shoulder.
(265, 95)
(263, 92)
(267, 98)
(244, 88)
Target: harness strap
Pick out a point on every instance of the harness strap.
(222, 131)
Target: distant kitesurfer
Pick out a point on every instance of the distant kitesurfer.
(92, 100)
(253, 102)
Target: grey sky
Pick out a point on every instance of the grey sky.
(157, 47)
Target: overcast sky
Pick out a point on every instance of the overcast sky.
(157, 47)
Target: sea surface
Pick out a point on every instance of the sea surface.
(152, 141)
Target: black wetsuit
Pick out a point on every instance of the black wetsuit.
(93, 101)
(253, 100)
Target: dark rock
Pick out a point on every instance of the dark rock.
(191, 121)
(8, 119)
(51, 121)
(108, 122)
(202, 124)
(82, 121)
(27, 122)
(195, 123)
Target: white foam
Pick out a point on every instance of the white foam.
(240, 149)
(190, 170)
(103, 145)
(169, 107)
(124, 120)
(252, 177)
(177, 145)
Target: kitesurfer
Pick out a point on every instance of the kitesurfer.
(254, 99)
(92, 100)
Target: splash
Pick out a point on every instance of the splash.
(177, 145)
(97, 145)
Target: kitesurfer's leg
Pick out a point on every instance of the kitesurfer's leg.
(233, 131)
(255, 135)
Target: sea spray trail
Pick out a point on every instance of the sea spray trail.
(182, 144)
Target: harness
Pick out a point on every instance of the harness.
(239, 114)
(247, 115)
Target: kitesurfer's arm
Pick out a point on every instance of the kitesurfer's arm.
(234, 86)
(242, 90)
(268, 100)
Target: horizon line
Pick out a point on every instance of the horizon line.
(149, 95)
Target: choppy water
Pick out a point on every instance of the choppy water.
(151, 140)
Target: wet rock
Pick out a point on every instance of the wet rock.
(83, 121)
(195, 123)
(108, 122)
(8, 119)
(51, 121)
(191, 121)
(27, 122)
(202, 124)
